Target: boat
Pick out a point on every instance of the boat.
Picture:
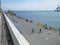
(58, 9)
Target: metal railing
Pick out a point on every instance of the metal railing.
(18, 38)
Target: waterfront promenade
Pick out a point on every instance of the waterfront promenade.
(46, 37)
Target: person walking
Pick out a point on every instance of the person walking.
(32, 30)
(39, 31)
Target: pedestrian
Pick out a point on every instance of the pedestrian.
(59, 31)
(45, 26)
(40, 31)
(32, 30)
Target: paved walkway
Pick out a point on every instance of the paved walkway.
(46, 37)
(0, 29)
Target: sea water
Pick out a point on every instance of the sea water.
(51, 18)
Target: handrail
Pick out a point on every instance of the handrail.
(18, 38)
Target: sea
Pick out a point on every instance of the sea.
(51, 18)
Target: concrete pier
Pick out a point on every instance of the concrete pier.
(46, 37)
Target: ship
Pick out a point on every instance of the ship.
(58, 9)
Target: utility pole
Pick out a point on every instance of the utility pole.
(0, 5)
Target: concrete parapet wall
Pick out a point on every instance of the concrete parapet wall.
(18, 38)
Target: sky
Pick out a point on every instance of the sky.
(29, 4)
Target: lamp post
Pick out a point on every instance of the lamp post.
(0, 5)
